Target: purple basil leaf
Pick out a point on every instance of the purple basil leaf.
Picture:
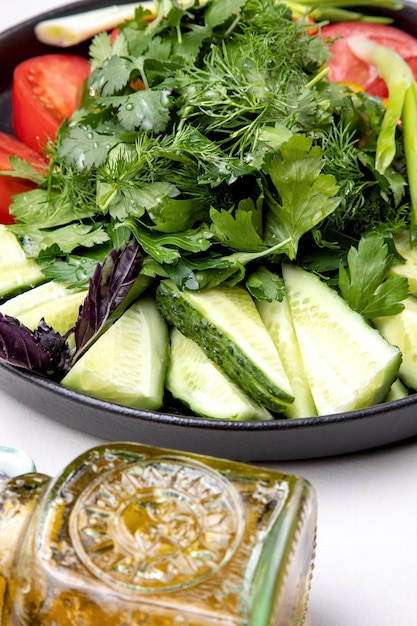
(57, 347)
(42, 351)
(109, 286)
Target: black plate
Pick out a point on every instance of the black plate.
(248, 441)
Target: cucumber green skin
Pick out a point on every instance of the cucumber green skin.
(220, 347)
(200, 384)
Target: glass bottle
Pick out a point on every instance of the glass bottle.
(131, 535)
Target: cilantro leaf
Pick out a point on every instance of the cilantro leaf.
(364, 284)
(220, 11)
(300, 197)
(147, 110)
(112, 76)
(84, 147)
(23, 169)
(102, 48)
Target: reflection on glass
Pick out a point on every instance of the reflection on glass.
(133, 535)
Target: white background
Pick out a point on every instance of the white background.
(366, 565)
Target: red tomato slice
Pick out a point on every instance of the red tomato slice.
(346, 67)
(45, 91)
(10, 146)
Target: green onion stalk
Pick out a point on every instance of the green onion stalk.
(401, 108)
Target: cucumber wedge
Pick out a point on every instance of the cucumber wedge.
(401, 331)
(127, 364)
(224, 321)
(201, 385)
(397, 392)
(278, 321)
(52, 301)
(18, 273)
(409, 254)
(349, 365)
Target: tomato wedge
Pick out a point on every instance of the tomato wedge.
(45, 91)
(346, 67)
(10, 146)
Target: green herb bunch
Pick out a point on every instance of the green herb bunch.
(212, 135)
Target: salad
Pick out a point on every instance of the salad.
(222, 178)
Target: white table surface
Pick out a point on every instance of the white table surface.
(366, 564)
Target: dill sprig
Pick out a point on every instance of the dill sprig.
(367, 198)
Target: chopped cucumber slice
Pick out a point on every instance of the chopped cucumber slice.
(409, 254)
(200, 384)
(349, 365)
(52, 301)
(18, 273)
(127, 363)
(277, 318)
(398, 390)
(224, 321)
(401, 331)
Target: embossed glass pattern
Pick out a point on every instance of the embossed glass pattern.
(133, 535)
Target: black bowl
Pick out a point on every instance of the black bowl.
(280, 439)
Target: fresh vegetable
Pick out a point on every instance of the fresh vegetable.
(347, 67)
(199, 383)
(210, 155)
(127, 363)
(73, 29)
(402, 106)
(398, 391)
(51, 301)
(45, 91)
(11, 149)
(400, 330)
(406, 267)
(276, 315)
(226, 324)
(116, 283)
(340, 11)
(365, 283)
(347, 363)
(18, 273)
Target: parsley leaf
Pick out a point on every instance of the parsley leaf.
(263, 284)
(364, 284)
(240, 230)
(300, 196)
(65, 238)
(166, 247)
(73, 271)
